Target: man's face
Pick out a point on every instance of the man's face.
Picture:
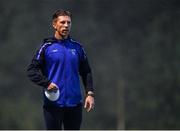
(62, 25)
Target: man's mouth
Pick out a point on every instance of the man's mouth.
(65, 30)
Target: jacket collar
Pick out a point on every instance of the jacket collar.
(53, 39)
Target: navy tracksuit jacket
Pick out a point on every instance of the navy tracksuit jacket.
(61, 62)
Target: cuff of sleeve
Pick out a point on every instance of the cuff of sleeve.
(46, 83)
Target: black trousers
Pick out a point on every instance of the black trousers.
(67, 118)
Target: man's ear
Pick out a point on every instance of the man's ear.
(54, 24)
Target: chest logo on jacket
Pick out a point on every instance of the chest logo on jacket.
(55, 50)
(73, 51)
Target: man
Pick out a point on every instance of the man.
(56, 67)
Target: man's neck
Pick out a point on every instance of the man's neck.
(59, 37)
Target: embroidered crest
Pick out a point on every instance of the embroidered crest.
(73, 51)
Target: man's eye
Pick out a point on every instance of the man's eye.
(63, 22)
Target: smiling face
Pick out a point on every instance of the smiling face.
(62, 26)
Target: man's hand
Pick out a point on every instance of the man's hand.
(89, 103)
(52, 87)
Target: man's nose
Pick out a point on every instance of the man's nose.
(66, 24)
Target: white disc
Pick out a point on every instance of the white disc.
(52, 96)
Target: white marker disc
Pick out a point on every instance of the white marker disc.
(52, 96)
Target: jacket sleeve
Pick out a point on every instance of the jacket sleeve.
(35, 69)
(85, 71)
